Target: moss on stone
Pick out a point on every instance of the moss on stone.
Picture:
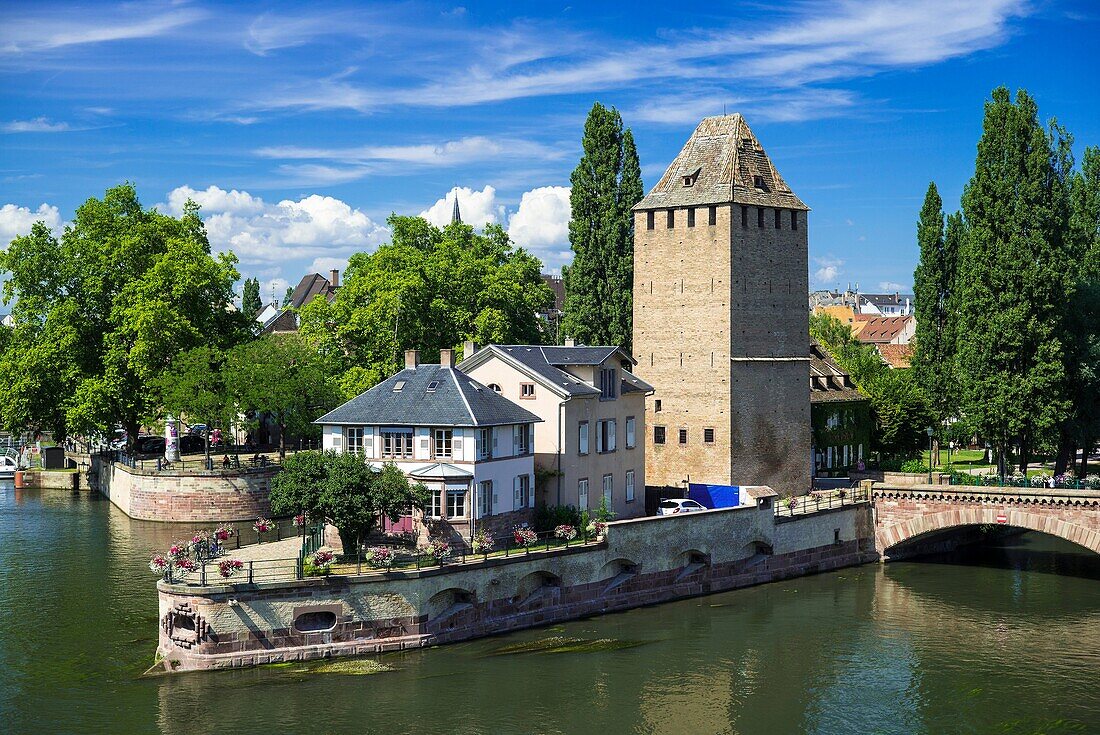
(566, 644)
(351, 667)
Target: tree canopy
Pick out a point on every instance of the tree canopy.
(251, 304)
(341, 488)
(101, 311)
(428, 289)
(606, 184)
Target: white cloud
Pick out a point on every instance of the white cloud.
(36, 125)
(888, 286)
(477, 208)
(324, 265)
(829, 268)
(471, 149)
(16, 221)
(52, 28)
(259, 232)
(541, 224)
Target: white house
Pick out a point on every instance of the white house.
(473, 448)
(590, 443)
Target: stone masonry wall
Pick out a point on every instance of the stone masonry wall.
(214, 496)
(640, 562)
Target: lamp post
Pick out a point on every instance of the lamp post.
(929, 432)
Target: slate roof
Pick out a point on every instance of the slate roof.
(827, 381)
(457, 400)
(726, 162)
(887, 299)
(545, 362)
(308, 288)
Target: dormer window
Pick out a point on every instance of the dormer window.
(759, 183)
(432, 386)
(398, 386)
(689, 179)
(747, 144)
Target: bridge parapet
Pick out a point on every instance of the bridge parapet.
(904, 512)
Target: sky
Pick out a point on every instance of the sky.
(301, 127)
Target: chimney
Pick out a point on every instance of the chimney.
(468, 349)
(570, 342)
(412, 359)
(334, 278)
(447, 358)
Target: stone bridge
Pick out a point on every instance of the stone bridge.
(906, 516)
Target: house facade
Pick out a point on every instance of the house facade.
(840, 418)
(471, 447)
(590, 443)
(720, 319)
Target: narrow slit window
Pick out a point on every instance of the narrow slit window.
(760, 217)
(649, 220)
(691, 216)
(779, 219)
(794, 219)
(670, 219)
(713, 216)
(744, 217)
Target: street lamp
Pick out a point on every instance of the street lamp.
(929, 432)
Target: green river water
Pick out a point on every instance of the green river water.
(1001, 639)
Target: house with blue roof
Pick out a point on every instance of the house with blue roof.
(472, 447)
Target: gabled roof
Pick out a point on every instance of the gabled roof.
(827, 381)
(880, 328)
(456, 399)
(725, 163)
(896, 356)
(544, 364)
(887, 299)
(310, 287)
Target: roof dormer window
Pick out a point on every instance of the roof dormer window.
(432, 386)
(759, 183)
(689, 179)
(398, 386)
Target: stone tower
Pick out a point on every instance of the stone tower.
(720, 316)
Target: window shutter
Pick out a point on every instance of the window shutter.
(517, 493)
(530, 492)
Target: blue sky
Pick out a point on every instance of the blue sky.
(301, 127)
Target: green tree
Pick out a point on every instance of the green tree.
(287, 295)
(606, 184)
(934, 350)
(194, 386)
(100, 312)
(250, 298)
(341, 488)
(1013, 278)
(429, 289)
(282, 378)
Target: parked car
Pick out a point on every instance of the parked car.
(672, 506)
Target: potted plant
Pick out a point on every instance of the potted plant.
(229, 567)
(482, 542)
(524, 537)
(565, 532)
(262, 526)
(162, 566)
(381, 557)
(224, 532)
(439, 550)
(319, 563)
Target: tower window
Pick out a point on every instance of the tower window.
(683, 436)
(760, 217)
(657, 406)
(649, 220)
(689, 180)
(794, 219)
(658, 435)
(708, 436)
(670, 220)
(779, 219)
(713, 215)
(759, 183)
(744, 217)
(691, 216)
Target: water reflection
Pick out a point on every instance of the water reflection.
(960, 644)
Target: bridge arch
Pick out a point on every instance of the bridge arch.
(889, 536)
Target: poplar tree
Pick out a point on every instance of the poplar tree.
(250, 298)
(606, 184)
(933, 357)
(1013, 280)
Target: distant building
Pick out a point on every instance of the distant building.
(278, 318)
(472, 447)
(552, 315)
(720, 317)
(895, 356)
(840, 417)
(886, 304)
(591, 439)
(879, 330)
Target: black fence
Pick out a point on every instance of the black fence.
(799, 505)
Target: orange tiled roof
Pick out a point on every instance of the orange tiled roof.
(880, 329)
(896, 356)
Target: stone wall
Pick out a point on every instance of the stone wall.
(212, 496)
(640, 561)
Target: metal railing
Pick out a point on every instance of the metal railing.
(291, 569)
(798, 505)
(1035, 482)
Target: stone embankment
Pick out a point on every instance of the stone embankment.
(184, 496)
(639, 562)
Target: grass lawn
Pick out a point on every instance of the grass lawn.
(962, 459)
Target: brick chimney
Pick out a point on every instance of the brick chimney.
(447, 358)
(334, 278)
(412, 359)
(469, 347)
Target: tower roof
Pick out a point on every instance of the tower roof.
(722, 162)
(456, 216)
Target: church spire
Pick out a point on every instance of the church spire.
(456, 216)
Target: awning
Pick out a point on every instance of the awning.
(441, 471)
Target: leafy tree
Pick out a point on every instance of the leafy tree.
(934, 353)
(1013, 277)
(343, 489)
(287, 295)
(606, 184)
(428, 289)
(194, 386)
(100, 312)
(250, 299)
(283, 378)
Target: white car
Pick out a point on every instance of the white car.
(672, 506)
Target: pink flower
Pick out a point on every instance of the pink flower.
(228, 567)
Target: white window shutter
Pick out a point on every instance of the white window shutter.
(517, 494)
(611, 436)
(530, 493)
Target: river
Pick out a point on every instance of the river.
(1002, 639)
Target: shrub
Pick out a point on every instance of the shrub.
(549, 517)
(482, 542)
(913, 465)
